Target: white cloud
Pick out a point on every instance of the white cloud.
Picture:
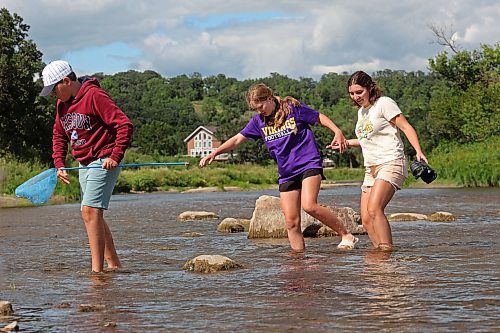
(252, 39)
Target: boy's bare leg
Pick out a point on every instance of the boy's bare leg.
(100, 239)
(109, 249)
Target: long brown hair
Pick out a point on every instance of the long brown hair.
(259, 92)
(365, 81)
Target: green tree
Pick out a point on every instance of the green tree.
(25, 120)
(331, 88)
(208, 110)
(217, 84)
(127, 90)
(166, 126)
(465, 107)
(190, 87)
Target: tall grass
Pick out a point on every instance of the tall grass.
(470, 165)
(216, 175)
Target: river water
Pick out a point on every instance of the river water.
(443, 277)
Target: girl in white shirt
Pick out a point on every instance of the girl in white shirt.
(378, 134)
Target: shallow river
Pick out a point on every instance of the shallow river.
(443, 277)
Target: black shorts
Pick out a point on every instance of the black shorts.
(296, 182)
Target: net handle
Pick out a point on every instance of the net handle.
(130, 165)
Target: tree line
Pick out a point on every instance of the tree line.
(455, 102)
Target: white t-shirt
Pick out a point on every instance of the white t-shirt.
(379, 139)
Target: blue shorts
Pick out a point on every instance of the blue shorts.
(97, 184)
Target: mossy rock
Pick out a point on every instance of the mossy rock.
(404, 217)
(230, 225)
(6, 308)
(210, 264)
(442, 217)
(197, 215)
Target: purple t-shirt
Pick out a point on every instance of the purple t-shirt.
(293, 145)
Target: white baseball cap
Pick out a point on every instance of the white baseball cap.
(53, 73)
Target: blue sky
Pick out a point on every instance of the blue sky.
(113, 57)
(252, 39)
(216, 21)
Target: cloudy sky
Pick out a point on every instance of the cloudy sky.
(252, 38)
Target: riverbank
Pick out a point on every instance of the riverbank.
(8, 201)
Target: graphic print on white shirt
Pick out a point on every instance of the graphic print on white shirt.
(364, 127)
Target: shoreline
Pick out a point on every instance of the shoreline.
(10, 201)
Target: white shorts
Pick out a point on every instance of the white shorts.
(394, 172)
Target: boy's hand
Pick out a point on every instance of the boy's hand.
(63, 176)
(109, 164)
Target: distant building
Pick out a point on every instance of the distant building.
(328, 163)
(202, 141)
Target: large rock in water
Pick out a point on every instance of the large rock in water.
(268, 221)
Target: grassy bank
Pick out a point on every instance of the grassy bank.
(470, 165)
(474, 165)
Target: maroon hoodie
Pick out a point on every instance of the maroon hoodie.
(92, 124)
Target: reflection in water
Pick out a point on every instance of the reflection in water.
(101, 279)
(299, 272)
(388, 287)
(441, 277)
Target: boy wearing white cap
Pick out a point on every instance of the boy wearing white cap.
(99, 133)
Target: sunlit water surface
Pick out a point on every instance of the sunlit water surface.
(443, 277)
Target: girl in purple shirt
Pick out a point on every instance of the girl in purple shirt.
(284, 126)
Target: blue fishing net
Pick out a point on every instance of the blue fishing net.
(39, 189)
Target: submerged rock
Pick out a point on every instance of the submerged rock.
(268, 221)
(63, 305)
(210, 264)
(400, 217)
(6, 308)
(437, 216)
(91, 307)
(197, 215)
(442, 217)
(232, 225)
(245, 223)
(191, 234)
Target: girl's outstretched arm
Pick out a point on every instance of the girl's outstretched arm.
(402, 123)
(339, 141)
(229, 145)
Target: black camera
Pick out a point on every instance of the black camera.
(423, 170)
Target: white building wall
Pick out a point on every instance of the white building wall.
(202, 144)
